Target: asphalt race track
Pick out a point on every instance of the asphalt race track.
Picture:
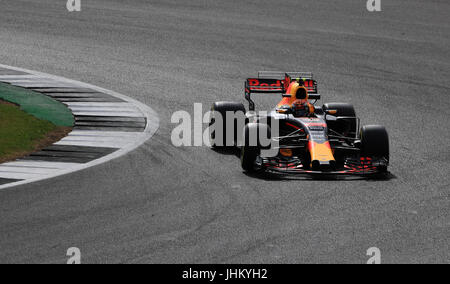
(162, 204)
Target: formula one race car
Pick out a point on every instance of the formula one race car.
(309, 139)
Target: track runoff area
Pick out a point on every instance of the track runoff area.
(105, 124)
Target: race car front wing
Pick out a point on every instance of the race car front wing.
(352, 166)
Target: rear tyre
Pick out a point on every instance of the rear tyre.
(347, 127)
(375, 143)
(222, 108)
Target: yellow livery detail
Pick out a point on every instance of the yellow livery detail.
(321, 152)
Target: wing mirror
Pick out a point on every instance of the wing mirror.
(330, 114)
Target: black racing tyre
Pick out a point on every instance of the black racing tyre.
(374, 142)
(223, 108)
(248, 158)
(346, 127)
(253, 144)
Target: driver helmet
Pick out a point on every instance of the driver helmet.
(300, 108)
(301, 94)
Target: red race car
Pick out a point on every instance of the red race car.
(309, 139)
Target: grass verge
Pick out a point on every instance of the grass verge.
(22, 133)
(37, 104)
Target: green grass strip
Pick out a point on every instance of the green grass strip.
(19, 131)
(38, 105)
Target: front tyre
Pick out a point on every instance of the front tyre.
(375, 143)
(253, 135)
(248, 158)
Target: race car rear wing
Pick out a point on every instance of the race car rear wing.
(257, 85)
(278, 83)
(282, 75)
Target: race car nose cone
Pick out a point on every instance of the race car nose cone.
(317, 165)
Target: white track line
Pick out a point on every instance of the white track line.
(106, 113)
(32, 171)
(39, 164)
(87, 138)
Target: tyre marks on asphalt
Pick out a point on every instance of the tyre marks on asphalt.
(104, 124)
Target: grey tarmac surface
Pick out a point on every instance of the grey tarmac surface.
(162, 204)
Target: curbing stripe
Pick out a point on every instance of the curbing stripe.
(108, 125)
(6, 180)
